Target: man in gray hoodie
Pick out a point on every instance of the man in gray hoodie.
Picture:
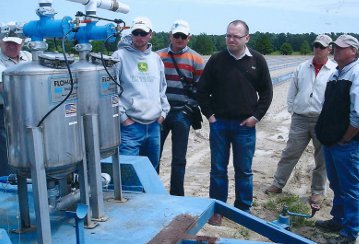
(143, 103)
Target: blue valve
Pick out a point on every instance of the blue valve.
(79, 215)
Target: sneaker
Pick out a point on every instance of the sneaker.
(328, 225)
(315, 199)
(215, 220)
(273, 189)
(341, 240)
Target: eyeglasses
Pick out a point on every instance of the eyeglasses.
(228, 36)
(180, 35)
(318, 45)
(139, 33)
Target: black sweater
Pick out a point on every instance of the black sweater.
(235, 89)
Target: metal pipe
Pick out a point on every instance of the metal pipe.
(45, 3)
(112, 5)
(91, 7)
(68, 200)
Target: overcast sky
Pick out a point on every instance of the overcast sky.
(212, 16)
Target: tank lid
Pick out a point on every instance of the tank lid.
(108, 60)
(55, 60)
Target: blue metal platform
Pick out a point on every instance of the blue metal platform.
(144, 218)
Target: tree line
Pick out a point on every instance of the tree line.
(265, 43)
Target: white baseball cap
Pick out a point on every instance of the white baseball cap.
(141, 23)
(180, 26)
(323, 39)
(347, 41)
(17, 40)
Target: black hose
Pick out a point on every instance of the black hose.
(71, 80)
(104, 65)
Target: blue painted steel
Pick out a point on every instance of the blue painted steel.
(47, 27)
(143, 216)
(92, 32)
(79, 215)
(224, 241)
(263, 227)
(137, 174)
(4, 238)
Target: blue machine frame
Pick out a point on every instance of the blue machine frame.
(148, 215)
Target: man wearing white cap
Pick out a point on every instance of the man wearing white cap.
(10, 55)
(143, 103)
(183, 67)
(337, 129)
(305, 99)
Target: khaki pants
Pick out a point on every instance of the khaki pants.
(300, 134)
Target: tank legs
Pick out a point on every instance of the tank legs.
(38, 176)
(92, 144)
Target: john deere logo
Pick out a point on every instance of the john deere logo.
(143, 67)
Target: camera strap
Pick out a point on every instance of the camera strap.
(182, 77)
(186, 85)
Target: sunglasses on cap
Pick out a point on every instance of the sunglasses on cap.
(180, 35)
(139, 33)
(318, 45)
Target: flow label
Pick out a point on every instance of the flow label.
(108, 86)
(60, 87)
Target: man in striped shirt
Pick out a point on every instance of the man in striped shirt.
(181, 94)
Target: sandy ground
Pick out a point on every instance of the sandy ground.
(272, 134)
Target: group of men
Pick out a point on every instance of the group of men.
(323, 101)
(234, 91)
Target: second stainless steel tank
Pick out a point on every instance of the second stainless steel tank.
(98, 94)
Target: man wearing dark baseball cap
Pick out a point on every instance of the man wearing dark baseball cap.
(337, 129)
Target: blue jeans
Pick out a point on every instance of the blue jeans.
(342, 162)
(143, 140)
(179, 123)
(223, 134)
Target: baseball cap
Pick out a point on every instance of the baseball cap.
(346, 40)
(141, 23)
(180, 26)
(17, 40)
(323, 39)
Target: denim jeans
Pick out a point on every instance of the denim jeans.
(342, 162)
(179, 124)
(223, 134)
(141, 139)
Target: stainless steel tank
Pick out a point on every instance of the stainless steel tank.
(31, 90)
(98, 94)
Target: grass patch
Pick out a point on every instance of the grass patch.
(294, 204)
(242, 232)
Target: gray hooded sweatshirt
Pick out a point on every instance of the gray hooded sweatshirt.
(141, 75)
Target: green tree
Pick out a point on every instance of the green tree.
(219, 42)
(263, 44)
(278, 41)
(160, 40)
(286, 49)
(203, 44)
(305, 48)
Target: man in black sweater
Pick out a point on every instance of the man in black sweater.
(235, 91)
